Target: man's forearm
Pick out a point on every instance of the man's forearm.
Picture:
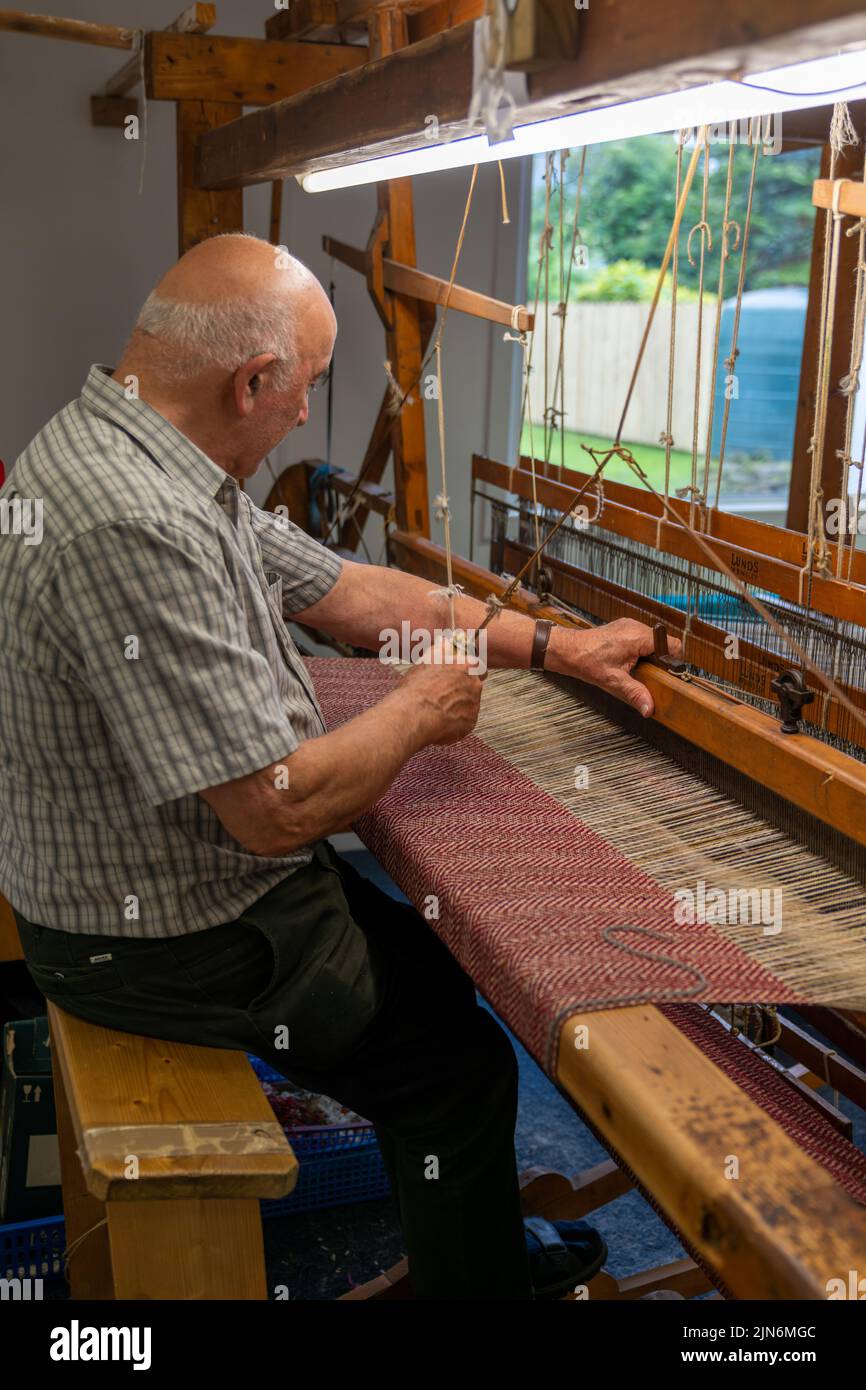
(369, 600)
(331, 780)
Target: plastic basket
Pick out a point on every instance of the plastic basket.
(339, 1164)
(33, 1249)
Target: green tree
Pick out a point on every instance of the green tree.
(627, 207)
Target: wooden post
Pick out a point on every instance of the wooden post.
(404, 338)
(201, 213)
(90, 1273)
(849, 165)
(203, 1248)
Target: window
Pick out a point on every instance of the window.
(627, 202)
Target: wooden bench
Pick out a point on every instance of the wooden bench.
(10, 942)
(165, 1151)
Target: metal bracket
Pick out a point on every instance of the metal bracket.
(793, 693)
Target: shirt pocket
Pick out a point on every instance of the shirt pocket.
(275, 594)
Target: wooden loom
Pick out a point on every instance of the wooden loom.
(647, 1088)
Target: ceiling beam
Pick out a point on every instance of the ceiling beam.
(626, 51)
(388, 96)
(254, 72)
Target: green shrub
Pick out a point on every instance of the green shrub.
(627, 282)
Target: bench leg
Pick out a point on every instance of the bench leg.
(199, 1248)
(89, 1262)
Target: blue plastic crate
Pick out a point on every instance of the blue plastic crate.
(265, 1072)
(33, 1249)
(339, 1164)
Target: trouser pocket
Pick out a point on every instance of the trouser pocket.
(235, 966)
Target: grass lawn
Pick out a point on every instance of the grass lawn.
(651, 458)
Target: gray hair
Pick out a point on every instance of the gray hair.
(223, 334)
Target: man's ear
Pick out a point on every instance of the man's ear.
(247, 381)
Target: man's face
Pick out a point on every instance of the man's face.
(277, 412)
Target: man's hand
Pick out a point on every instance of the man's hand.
(604, 656)
(446, 697)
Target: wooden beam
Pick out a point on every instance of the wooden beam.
(373, 465)
(321, 19)
(378, 101)
(307, 19)
(202, 214)
(849, 165)
(352, 11)
(852, 198)
(624, 54)
(834, 597)
(812, 125)
(540, 32)
(760, 536)
(405, 335)
(111, 111)
(817, 778)
(75, 30)
(445, 14)
(276, 217)
(408, 280)
(782, 1228)
(195, 19)
(253, 72)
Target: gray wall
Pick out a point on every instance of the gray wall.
(80, 248)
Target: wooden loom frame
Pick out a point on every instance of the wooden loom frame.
(646, 1088)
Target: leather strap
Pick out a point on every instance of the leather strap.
(543, 629)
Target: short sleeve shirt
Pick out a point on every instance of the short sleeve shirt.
(144, 656)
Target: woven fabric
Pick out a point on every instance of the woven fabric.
(525, 892)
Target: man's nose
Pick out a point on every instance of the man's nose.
(304, 415)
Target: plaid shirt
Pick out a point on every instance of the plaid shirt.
(143, 656)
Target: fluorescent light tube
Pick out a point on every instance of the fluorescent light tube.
(818, 82)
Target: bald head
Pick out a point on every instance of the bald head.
(231, 298)
(236, 267)
(240, 319)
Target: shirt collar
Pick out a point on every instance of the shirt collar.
(170, 449)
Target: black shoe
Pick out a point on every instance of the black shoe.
(562, 1254)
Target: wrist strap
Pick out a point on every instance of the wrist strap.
(543, 629)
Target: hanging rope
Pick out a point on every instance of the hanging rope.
(849, 386)
(724, 254)
(443, 508)
(672, 240)
(731, 359)
(842, 133)
(706, 238)
(667, 437)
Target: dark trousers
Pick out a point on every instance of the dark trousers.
(377, 1014)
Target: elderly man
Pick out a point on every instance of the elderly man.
(167, 782)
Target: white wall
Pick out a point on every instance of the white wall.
(80, 249)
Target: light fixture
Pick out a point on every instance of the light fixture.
(795, 87)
